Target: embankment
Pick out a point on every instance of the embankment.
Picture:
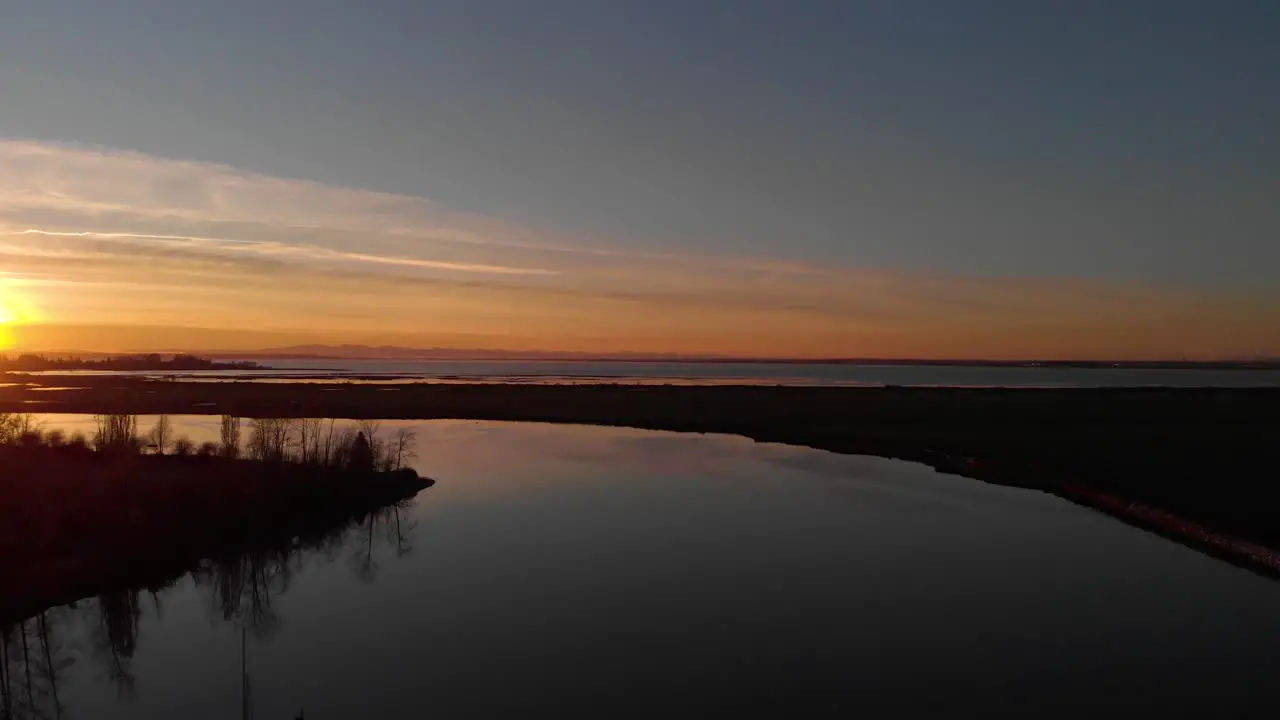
(74, 522)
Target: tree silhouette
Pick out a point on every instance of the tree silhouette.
(362, 457)
(401, 449)
(230, 436)
(161, 433)
(116, 432)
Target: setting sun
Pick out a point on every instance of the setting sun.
(11, 313)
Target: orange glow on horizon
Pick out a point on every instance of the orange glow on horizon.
(200, 257)
(13, 311)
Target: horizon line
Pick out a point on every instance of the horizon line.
(497, 354)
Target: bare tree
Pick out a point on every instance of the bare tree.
(326, 455)
(116, 431)
(269, 439)
(341, 455)
(14, 425)
(162, 433)
(401, 448)
(309, 431)
(372, 430)
(183, 446)
(230, 435)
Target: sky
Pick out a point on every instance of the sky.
(905, 178)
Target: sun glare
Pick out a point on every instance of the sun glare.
(9, 316)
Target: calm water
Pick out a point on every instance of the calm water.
(740, 373)
(597, 572)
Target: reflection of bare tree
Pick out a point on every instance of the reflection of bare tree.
(366, 566)
(393, 526)
(30, 666)
(50, 668)
(401, 530)
(115, 639)
(6, 705)
(6, 673)
(243, 587)
(26, 664)
(156, 605)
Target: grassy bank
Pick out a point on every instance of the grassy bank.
(74, 521)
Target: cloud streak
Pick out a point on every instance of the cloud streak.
(298, 252)
(129, 240)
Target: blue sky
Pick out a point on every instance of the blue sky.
(1117, 141)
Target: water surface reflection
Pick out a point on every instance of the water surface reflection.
(81, 657)
(589, 572)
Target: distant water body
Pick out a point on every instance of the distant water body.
(729, 373)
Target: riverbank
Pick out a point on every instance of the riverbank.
(1205, 455)
(75, 522)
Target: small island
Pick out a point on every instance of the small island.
(79, 516)
(121, 363)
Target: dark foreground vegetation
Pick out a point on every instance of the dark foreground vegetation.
(128, 363)
(242, 585)
(79, 516)
(1208, 456)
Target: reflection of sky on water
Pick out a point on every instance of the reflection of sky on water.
(578, 570)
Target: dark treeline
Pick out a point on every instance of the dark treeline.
(77, 513)
(174, 363)
(37, 650)
(304, 441)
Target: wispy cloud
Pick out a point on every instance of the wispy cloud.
(117, 237)
(298, 252)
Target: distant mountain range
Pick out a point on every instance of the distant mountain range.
(392, 352)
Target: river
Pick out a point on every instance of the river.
(602, 572)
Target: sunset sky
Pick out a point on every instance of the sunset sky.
(930, 179)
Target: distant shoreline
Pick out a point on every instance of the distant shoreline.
(29, 362)
(1202, 455)
(1088, 364)
(441, 355)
